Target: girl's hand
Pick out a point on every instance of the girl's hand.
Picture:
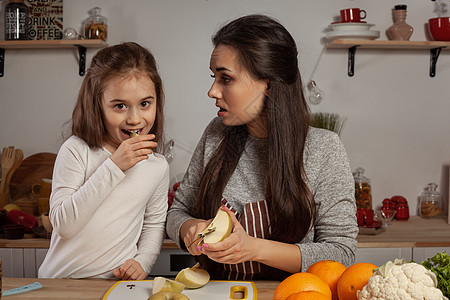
(130, 270)
(133, 150)
(238, 247)
(189, 232)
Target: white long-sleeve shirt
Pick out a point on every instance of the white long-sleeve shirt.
(102, 216)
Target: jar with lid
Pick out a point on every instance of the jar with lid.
(430, 205)
(95, 26)
(16, 20)
(363, 192)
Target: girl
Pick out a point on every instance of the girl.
(109, 200)
(288, 187)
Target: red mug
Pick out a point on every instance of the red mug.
(352, 15)
(364, 216)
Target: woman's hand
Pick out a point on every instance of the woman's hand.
(130, 270)
(133, 150)
(189, 232)
(238, 247)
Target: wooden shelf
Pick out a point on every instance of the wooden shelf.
(82, 45)
(433, 46)
(380, 44)
(46, 44)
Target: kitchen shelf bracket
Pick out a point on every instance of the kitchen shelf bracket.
(82, 61)
(351, 60)
(434, 55)
(2, 62)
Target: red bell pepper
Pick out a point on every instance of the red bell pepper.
(22, 218)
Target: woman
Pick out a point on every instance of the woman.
(287, 187)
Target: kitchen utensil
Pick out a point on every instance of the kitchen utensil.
(13, 231)
(364, 216)
(43, 204)
(46, 223)
(18, 158)
(439, 28)
(23, 289)
(352, 14)
(7, 162)
(4, 199)
(430, 202)
(31, 171)
(43, 189)
(350, 26)
(142, 289)
(353, 34)
(386, 216)
(363, 191)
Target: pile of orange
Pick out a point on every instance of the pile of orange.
(325, 280)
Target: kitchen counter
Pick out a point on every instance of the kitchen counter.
(70, 289)
(416, 232)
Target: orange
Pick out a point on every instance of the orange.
(309, 295)
(301, 282)
(329, 271)
(353, 279)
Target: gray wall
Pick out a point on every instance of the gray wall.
(398, 125)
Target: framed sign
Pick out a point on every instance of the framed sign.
(45, 19)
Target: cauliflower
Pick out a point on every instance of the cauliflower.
(400, 280)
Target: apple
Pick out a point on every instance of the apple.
(223, 226)
(168, 296)
(161, 284)
(194, 277)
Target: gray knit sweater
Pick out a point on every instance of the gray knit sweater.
(333, 236)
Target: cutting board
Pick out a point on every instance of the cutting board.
(215, 289)
(31, 171)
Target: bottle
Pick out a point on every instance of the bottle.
(95, 26)
(16, 19)
(363, 192)
(430, 205)
(402, 210)
(400, 31)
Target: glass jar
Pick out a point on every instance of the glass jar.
(95, 26)
(16, 19)
(363, 192)
(430, 205)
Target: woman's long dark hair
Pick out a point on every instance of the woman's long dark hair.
(268, 52)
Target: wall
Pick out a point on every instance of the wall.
(397, 128)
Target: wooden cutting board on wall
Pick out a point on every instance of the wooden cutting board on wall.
(30, 172)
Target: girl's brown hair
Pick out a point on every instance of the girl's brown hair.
(111, 62)
(268, 52)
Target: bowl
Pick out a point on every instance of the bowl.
(439, 28)
(13, 231)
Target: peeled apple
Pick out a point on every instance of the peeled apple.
(194, 277)
(161, 284)
(168, 296)
(223, 226)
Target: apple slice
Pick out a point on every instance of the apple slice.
(194, 277)
(161, 284)
(223, 226)
(168, 296)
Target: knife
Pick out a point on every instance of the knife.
(22, 289)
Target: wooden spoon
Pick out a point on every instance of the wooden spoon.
(18, 158)
(7, 162)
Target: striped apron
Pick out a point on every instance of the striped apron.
(255, 221)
